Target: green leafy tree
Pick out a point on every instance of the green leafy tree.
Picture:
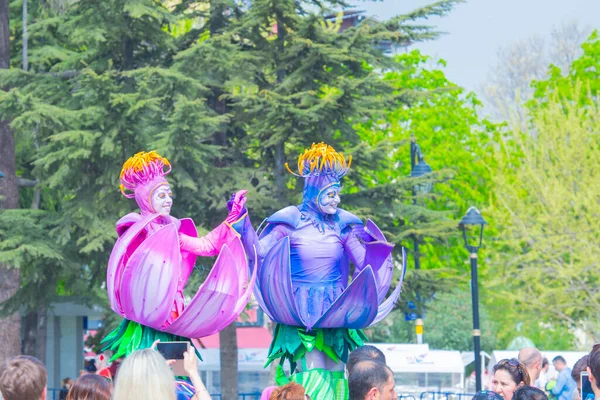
(546, 204)
(457, 143)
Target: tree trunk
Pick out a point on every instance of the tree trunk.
(216, 24)
(10, 326)
(216, 21)
(29, 322)
(34, 333)
(41, 334)
(280, 172)
(228, 336)
(4, 35)
(229, 362)
(25, 40)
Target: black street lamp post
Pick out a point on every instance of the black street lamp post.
(416, 171)
(472, 243)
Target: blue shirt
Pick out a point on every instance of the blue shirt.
(565, 385)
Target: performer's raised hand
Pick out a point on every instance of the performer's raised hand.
(236, 206)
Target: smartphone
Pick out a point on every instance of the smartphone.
(586, 387)
(174, 351)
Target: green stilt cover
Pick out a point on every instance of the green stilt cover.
(319, 384)
(291, 343)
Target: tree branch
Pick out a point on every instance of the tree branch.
(26, 182)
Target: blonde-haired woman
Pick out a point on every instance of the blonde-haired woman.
(146, 375)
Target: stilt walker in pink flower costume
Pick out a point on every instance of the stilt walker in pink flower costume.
(304, 256)
(154, 256)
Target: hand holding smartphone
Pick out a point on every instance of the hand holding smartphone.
(174, 351)
(586, 387)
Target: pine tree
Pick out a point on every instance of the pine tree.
(79, 119)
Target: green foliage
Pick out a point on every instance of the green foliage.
(579, 86)
(547, 208)
(456, 143)
(448, 325)
(451, 323)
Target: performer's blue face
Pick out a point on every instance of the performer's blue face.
(329, 199)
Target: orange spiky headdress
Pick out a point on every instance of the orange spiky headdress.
(321, 159)
(321, 167)
(141, 169)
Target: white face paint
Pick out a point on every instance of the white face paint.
(162, 200)
(329, 199)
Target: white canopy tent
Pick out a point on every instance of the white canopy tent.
(418, 369)
(418, 358)
(251, 360)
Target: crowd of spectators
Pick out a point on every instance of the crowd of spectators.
(145, 374)
(523, 378)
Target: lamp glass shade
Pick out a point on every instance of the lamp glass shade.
(473, 217)
(472, 225)
(422, 168)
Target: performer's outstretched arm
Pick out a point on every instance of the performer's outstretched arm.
(211, 243)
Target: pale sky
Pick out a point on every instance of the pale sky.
(477, 28)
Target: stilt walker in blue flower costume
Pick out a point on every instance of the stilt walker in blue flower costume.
(304, 256)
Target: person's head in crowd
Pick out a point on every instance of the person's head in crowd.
(509, 375)
(291, 391)
(144, 375)
(559, 363)
(487, 395)
(23, 378)
(579, 367)
(363, 353)
(90, 387)
(266, 394)
(532, 359)
(529, 393)
(66, 383)
(545, 365)
(371, 380)
(90, 366)
(593, 369)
